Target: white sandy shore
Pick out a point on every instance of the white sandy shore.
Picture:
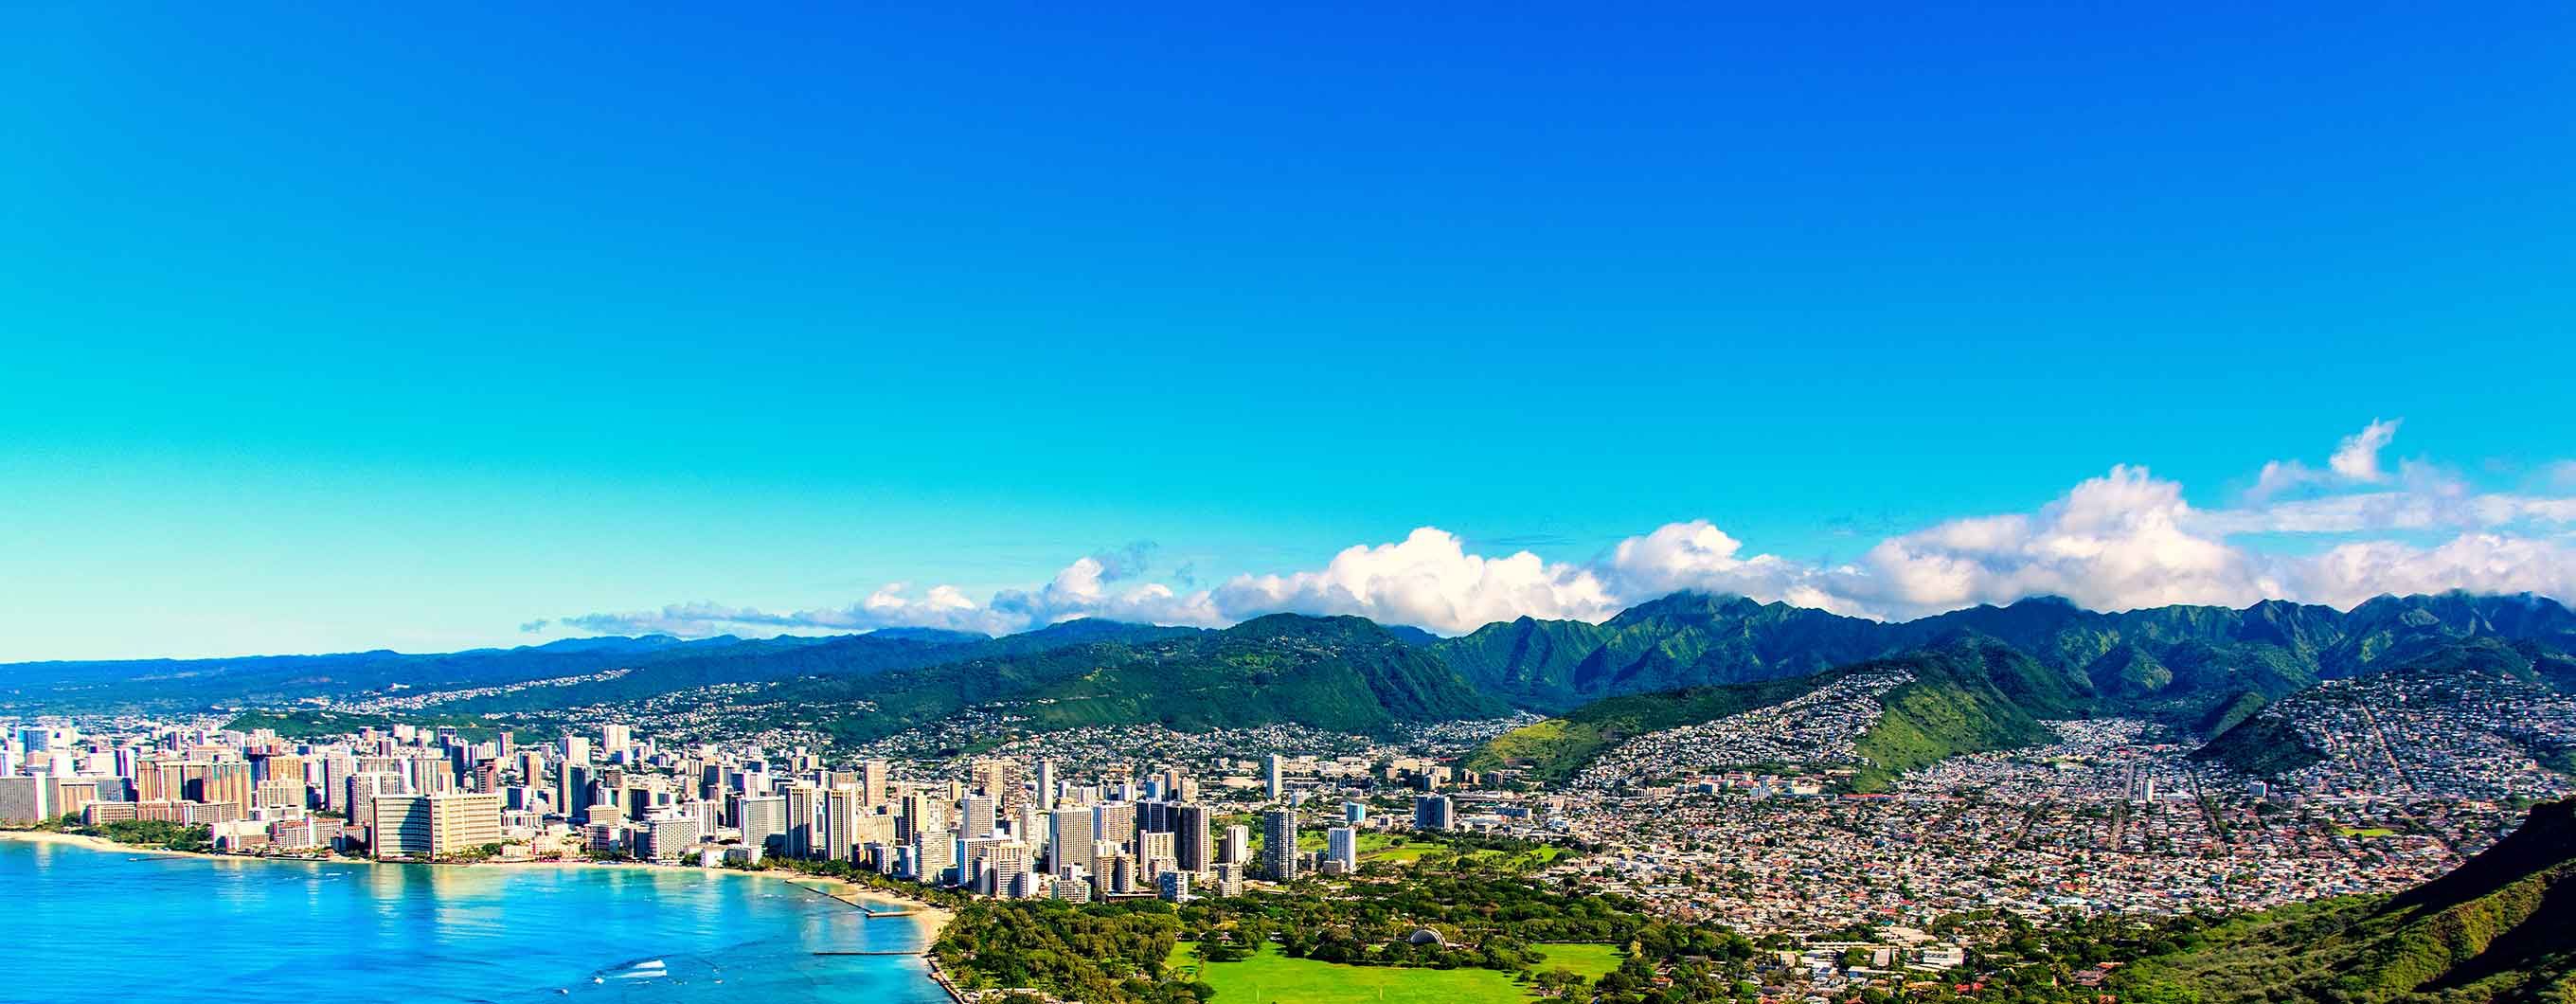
(92, 843)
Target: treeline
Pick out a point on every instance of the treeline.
(153, 833)
(1101, 952)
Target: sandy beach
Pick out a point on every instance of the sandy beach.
(92, 843)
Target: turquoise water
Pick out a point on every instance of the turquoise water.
(142, 927)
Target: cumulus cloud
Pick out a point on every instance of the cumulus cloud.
(2483, 563)
(2357, 457)
(1428, 580)
(1697, 555)
(2124, 540)
(2116, 542)
(2355, 461)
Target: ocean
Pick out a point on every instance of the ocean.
(94, 923)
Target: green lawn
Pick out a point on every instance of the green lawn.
(1406, 854)
(1587, 961)
(1272, 978)
(1536, 857)
(1377, 846)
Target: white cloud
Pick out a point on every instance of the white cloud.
(2116, 542)
(2121, 541)
(1697, 555)
(1428, 580)
(2482, 563)
(2355, 461)
(2357, 457)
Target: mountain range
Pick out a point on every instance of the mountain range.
(1984, 672)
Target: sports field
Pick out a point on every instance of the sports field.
(1587, 961)
(1272, 978)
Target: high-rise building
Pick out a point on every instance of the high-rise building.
(872, 782)
(1012, 865)
(434, 826)
(917, 815)
(398, 826)
(992, 778)
(980, 818)
(1236, 848)
(803, 808)
(1046, 785)
(1274, 775)
(362, 790)
(1114, 821)
(572, 790)
(671, 837)
(1433, 812)
(1355, 813)
(336, 768)
(763, 818)
(1279, 844)
(279, 794)
(1069, 842)
(615, 739)
(840, 823)
(228, 782)
(1342, 847)
(932, 855)
(27, 799)
(1190, 850)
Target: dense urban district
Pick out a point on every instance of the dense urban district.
(1704, 799)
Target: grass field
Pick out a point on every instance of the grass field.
(1587, 961)
(1272, 978)
(1377, 846)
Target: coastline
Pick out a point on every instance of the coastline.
(866, 899)
(61, 839)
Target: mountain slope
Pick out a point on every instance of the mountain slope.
(1693, 639)
(1529, 662)
(2494, 929)
(1965, 693)
(191, 684)
(1555, 749)
(2274, 738)
(787, 658)
(1968, 694)
(1341, 673)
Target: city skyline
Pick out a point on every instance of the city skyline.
(1664, 503)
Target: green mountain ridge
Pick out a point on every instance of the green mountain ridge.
(1965, 693)
(2178, 664)
(1341, 673)
(2196, 668)
(2492, 930)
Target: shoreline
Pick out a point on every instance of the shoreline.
(866, 899)
(61, 839)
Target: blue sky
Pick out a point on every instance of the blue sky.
(334, 329)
